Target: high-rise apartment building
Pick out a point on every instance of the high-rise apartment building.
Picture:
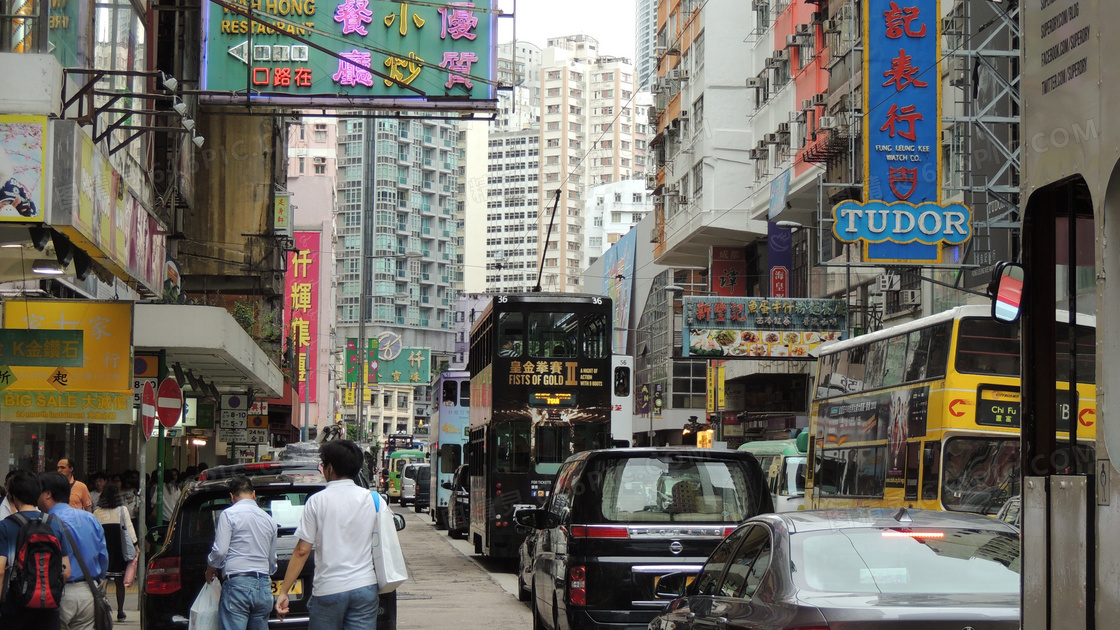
(519, 66)
(612, 210)
(587, 137)
(511, 210)
(397, 190)
(645, 41)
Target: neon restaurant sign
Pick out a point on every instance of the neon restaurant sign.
(349, 52)
(902, 218)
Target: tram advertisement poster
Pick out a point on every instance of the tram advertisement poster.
(892, 417)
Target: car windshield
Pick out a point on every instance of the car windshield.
(645, 489)
(284, 505)
(940, 562)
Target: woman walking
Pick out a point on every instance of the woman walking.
(120, 538)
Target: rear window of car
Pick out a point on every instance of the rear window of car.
(198, 517)
(870, 560)
(673, 488)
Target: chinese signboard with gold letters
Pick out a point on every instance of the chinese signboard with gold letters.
(301, 310)
(96, 391)
(382, 50)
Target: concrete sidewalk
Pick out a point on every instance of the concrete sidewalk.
(131, 605)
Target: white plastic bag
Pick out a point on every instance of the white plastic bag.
(388, 559)
(204, 610)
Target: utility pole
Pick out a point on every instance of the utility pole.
(364, 273)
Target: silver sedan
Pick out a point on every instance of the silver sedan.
(849, 569)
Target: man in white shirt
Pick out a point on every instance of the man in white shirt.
(244, 550)
(340, 523)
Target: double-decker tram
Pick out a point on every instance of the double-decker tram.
(540, 367)
(448, 438)
(927, 414)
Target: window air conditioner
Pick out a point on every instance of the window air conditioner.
(804, 29)
(826, 122)
(910, 297)
(781, 55)
(755, 82)
(820, 99)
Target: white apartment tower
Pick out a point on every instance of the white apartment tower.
(587, 138)
(511, 211)
(645, 40)
(519, 66)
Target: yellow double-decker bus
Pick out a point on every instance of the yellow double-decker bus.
(926, 414)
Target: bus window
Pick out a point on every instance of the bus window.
(465, 394)
(553, 334)
(853, 363)
(927, 352)
(450, 457)
(450, 393)
(511, 441)
(511, 330)
(912, 461)
(830, 381)
(939, 344)
(894, 365)
(985, 346)
(931, 466)
(853, 472)
(979, 474)
(552, 447)
(876, 363)
(596, 336)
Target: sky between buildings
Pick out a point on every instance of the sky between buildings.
(609, 21)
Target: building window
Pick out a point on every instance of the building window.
(320, 165)
(301, 160)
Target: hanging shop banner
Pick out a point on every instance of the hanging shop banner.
(729, 271)
(372, 360)
(353, 361)
(23, 160)
(618, 283)
(760, 328)
(97, 392)
(901, 218)
(301, 312)
(352, 52)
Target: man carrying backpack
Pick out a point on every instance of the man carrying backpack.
(33, 559)
(88, 537)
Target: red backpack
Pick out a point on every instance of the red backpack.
(35, 579)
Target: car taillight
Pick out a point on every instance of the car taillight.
(577, 585)
(727, 531)
(894, 533)
(163, 576)
(202, 476)
(599, 531)
(260, 466)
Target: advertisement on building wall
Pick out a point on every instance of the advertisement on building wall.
(301, 309)
(94, 207)
(618, 283)
(23, 159)
(98, 392)
(902, 219)
(303, 52)
(760, 328)
(404, 366)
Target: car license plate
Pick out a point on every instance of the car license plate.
(295, 594)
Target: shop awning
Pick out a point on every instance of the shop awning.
(209, 342)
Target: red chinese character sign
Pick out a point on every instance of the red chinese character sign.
(301, 309)
(901, 218)
(377, 51)
(729, 271)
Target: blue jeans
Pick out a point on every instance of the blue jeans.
(246, 603)
(349, 610)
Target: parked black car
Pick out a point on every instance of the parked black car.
(459, 512)
(619, 519)
(864, 569)
(176, 572)
(423, 488)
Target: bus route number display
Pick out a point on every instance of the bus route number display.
(552, 399)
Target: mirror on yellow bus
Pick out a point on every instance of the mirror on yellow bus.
(1006, 290)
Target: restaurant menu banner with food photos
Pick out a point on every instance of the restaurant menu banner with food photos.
(760, 328)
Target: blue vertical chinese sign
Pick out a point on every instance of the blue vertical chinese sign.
(901, 218)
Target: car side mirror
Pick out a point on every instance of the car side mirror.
(533, 519)
(398, 522)
(671, 586)
(1006, 290)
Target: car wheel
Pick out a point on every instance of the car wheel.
(419, 509)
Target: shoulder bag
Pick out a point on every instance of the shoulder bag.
(102, 610)
(388, 559)
(128, 548)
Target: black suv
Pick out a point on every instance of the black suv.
(176, 572)
(620, 519)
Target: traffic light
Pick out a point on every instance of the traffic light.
(622, 381)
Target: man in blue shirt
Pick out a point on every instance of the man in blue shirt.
(244, 551)
(23, 492)
(77, 608)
